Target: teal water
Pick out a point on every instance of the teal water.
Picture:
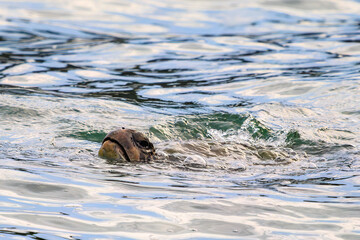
(253, 108)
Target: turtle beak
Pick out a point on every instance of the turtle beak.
(119, 145)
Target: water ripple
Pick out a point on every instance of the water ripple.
(252, 107)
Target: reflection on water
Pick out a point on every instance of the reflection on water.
(253, 108)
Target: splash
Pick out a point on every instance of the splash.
(223, 141)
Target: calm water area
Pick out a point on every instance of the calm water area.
(253, 107)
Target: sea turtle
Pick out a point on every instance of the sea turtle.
(127, 145)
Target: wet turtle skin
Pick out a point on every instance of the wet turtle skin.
(127, 145)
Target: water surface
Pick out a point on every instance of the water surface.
(253, 108)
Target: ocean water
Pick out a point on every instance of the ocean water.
(253, 107)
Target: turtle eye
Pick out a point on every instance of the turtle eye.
(141, 141)
(144, 144)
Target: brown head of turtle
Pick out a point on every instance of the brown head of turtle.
(127, 145)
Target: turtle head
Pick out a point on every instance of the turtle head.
(127, 145)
